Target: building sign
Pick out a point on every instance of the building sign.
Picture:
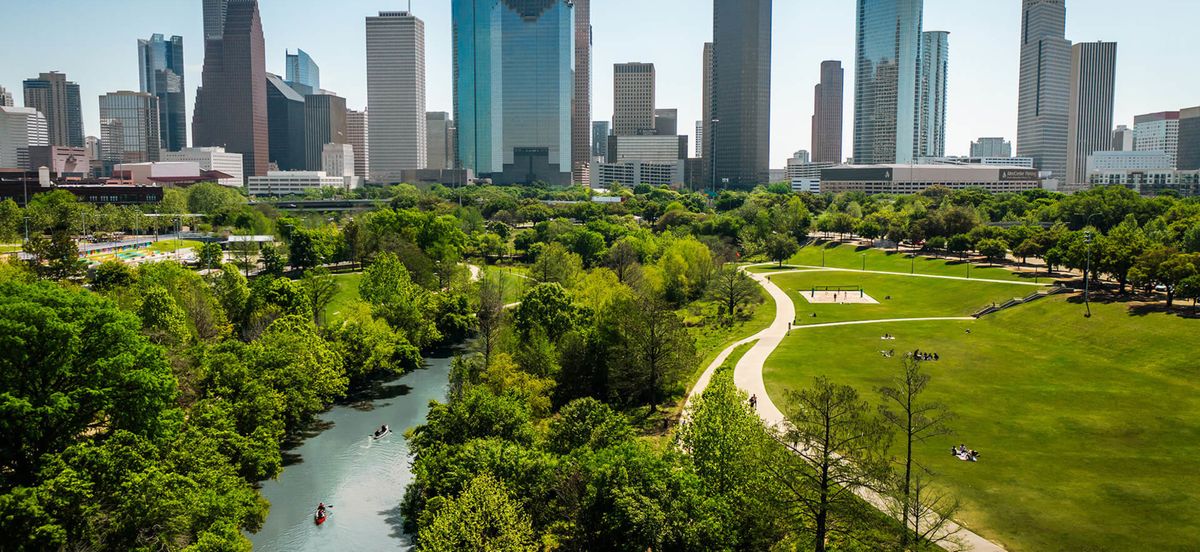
(1018, 175)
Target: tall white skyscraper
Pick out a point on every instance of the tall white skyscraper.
(357, 135)
(20, 129)
(1044, 87)
(1158, 132)
(935, 64)
(1090, 119)
(395, 94)
(994, 146)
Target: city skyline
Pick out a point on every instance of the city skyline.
(982, 97)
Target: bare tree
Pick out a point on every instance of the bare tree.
(320, 287)
(490, 314)
(931, 514)
(732, 289)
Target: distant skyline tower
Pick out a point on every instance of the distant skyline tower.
(704, 139)
(993, 146)
(21, 128)
(214, 18)
(666, 122)
(887, 81)
(285, 125)
(58, 99)
(396, 94)
(1122, 138)
(303, 71)
(357, 135)
(1158, 132)
(633, 99)
(1090, 118)
(439, 140)
(1188, 156)
(931, 134)
(741, 92)
(600, 131)
(6, 98)
(161, 67)
(827, 114)
(1044, 89)
(581, 107)
(324, 123)
(231, 104)
(128, 128)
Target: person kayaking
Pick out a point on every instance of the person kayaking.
(383, 429)
(321, 510)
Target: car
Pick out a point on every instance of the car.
(1161, 288)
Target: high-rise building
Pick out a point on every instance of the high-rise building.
(990, 147)
(599, 139)
(887, 81)
(285, 125)
(1090, 117)
(357, 135)
(439, 140)
(214, 19)
(1122, 138)
(58, 99)
(324, 123)
(21, 128)
(633, 99)
(827, 114)
(581, 107)
(1157, 132)
(338, 160)
(1044, 89)
(699, 140)
(396, 94)
(6, 98)
(160, 68)
(1187, 156)
(931, 129)
(706, 115)
(129, 128)
(742, 91)
(231, 104)
(509, 130)
(666, 122)
(302, 72)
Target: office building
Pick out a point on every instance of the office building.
(995, 161)
(704, 136)
(166, 173)
(324, 123)
(887, 81)
(285, 125)
(633, 173)
(599, 139)
(61, 160)
(338, 160)
(160, 68)
(1157, 132)
(633, 99)
(357, 135)
(128, 128)
(1090, 117)
(1122, 138)
(913, 179)
(581, 107)
(212, 159)
(827, 114)
(508, 130)
(666, 122)
(214, 19)
(439, 140)
(803, 174)
(58, 99)
(286, 183)
(21, 128)
(699, 140)
(396, 94)
(1044, 89)
(1187, 157)
(231, 104)
(1128, 160)
(1150, 182)
(6, 98)
(302, 72)
(991, 147)
(644, 159)
(741, 92)
(931, 129)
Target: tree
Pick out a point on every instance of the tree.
(55, 257)
(308, 248)
(320, 287)
(840, 444)
(272, 260)
(162, 319)
(289, 296)
(623, 257)
(917, 421)
(232, 292)
(1120, 249)
(211, 255)
(992, 248)
(545, 309)
(303, 371)
(483, 517)
(958, 243)
(588, 423)
(112, 275)
(554, 264)
(1166, 267)
(653, 351)
(733, 290)
(780, 247)
(209, 198)
(386, 285)
(489, 315)
(369, 347)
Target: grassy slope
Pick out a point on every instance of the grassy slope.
(346, 296)
(849, 256)
(1089, 429)
(514, 285)
(171, 245)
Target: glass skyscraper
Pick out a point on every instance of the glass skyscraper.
(303, 71)
(513, 88)
(935, 65)
(1044, 93)
(741, 93)
(160, 67)
(887, 81)
(128, 128)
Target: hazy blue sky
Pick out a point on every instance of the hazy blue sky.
(94, 43)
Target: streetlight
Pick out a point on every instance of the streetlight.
(1087, 275)
(822, 256)
(913, 266)
(864, 257)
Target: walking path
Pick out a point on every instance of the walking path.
(748, 376)
(808, 268)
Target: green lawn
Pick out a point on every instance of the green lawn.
(1089, 429)
(711, 340)
(512, 279)
(346, 296)
(849, 256)
(171, 246)
(10, 247)
(911, 297)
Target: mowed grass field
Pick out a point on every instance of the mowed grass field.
(172, 245)
(346, 298)
(1089, 429)
(851, 257)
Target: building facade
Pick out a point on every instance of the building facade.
(581, 106)
(1157, 132)
(302, 72)
(704, 134)
(212, 159)
(285, 183)
(1187, 156)
(935, 65)
(666, 122)
(633, 99)
(912, 179)
(887, 81)
(21, 128)
(6, 98)
(61, 160)
(1090, 117)
(1044, 89)
(1128, 160)
(1150, 182)
(58, 99)
(231, 104)
(160, 68)
(1122, 138)
(827, 113)
(129, 128)
(991, 147)
(285, 125)
(741, 92)
(439, 140)
(600, 132)
(358, 135)
(997, 161)
(324, 123)
(396, 94)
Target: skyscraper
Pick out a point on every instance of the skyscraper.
(396, 94)
(931, 134)
(742, 91)
(633, 99)
(508, 129)
(20, 129)
(324, 123)
(581, 107)
(6, 98)
(991, 147)
(231, 104)
(666, 122)
(58, 99)
(285, 125)
(439, 140)
(1157, 132)
(1044, 93)
(357, 127)
(706, 113)
(599, 139)
(302, 72)
(700, 142)
(160, 67)
(887, 81)
(128, 128)
(214, 19)
(1122, 138)
(1188, 156)
(1090, 117)
(827, 114)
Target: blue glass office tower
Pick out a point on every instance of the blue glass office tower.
(513, 87)
(887, 81)
(160, 66)
(303, 71)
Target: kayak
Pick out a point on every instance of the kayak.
(320, 518)
(382, 435)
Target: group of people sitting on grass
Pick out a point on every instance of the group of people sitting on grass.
(888, 353)
(921, 355)
(888, 337)
(965, 454)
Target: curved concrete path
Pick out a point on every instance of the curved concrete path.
(807, 268)
(748, 376)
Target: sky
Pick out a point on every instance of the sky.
(94, 43)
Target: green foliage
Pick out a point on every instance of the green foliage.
(780, 248)
(55, 257)
(370, 348)
(211, 255)
(483, 517)
(304, 371)
(210, 198)
(587, 423)
(112, 275)
(556, 265)
(546, 309)
(386, 285)
(162, 320)
(273, 261)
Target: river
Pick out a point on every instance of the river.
(340, 464)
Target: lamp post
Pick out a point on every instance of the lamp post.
(864, 258)
(822, 256)
(1087, 276)
(913, 265)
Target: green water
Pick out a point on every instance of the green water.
(362, 478)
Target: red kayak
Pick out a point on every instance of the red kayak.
(320, 518)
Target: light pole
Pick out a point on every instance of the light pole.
(1087, 275)
(822, 256)
(864, 258)
(913, 266)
